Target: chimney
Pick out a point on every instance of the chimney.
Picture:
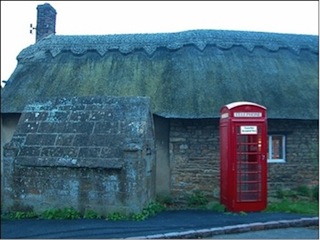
(46, 21)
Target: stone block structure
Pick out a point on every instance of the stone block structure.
(83, 152)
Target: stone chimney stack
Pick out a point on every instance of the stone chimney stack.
(46, 21)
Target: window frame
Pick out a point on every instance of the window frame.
(278, 160)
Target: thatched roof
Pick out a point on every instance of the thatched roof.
(189, 74)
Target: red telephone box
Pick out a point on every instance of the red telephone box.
(243, 157)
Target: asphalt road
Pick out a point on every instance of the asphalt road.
(169, 222)
(282, 233)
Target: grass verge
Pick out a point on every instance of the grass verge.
(294, 206)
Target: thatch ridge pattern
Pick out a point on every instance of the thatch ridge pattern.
(127, 43)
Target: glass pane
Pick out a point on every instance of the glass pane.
(248, 166)
(277, 147)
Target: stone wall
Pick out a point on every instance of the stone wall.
(88, 153)
(9, 123)
(100, 155)
(195, 157)
(302, 154)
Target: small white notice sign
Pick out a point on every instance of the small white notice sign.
(248, 130)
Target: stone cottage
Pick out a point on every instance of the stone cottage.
(187, 77)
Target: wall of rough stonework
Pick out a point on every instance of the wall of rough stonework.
(187, 152)
(302, 154)
(195, 157)
(8, 126)
(88, 153)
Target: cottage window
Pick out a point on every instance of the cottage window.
(276, 150)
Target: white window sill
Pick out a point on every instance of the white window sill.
(276, 161)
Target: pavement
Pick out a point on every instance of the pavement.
(169, 224)
(279, 233)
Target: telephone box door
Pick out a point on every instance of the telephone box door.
(250, 166)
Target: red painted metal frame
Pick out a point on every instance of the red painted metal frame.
(243, 157)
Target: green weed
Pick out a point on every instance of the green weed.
(90, 214)
(23, 215)
(216, 207)
(116, 216)
(303, 191)
(151, 210)
(66, 213)
(302, 199)
(197, 199)
(140, 216)
(164, 200)
(315, 192)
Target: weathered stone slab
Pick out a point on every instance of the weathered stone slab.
(87, 153)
